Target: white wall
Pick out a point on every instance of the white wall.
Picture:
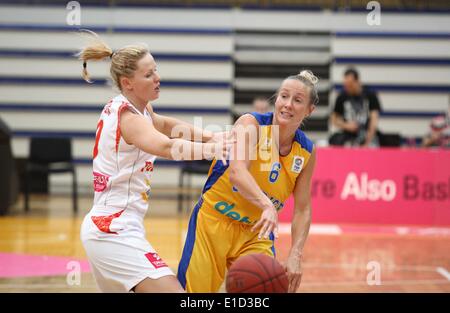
(227, 19)
(68, 68)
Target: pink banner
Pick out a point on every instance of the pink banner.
(380, 186)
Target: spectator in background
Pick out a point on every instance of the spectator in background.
(261, 105)
(439, 135)
(355, 114)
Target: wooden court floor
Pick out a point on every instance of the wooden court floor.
(38, 250)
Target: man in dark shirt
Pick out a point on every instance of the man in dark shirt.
(355, 114)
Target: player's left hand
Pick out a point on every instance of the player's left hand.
(268, 223)
(294, 272)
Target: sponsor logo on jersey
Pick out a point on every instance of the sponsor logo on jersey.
(148, 167)
(155, 259)
(297, 164)
(100, 182)
(226, 209)
(278, 205)
(266, 144)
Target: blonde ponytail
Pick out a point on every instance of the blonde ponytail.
(123, 61)
(96, 50)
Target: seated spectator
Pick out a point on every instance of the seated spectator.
(355, 114)
(439, 135)
(261, 105)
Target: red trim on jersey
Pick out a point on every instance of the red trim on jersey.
(97, 138)
(124, 105)
(104, 222)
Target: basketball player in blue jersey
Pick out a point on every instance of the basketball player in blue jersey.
(237, 213)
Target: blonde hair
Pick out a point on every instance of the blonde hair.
(309, 76)
(310, 80)
(123, 61)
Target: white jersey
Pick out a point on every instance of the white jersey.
(113, 233)
(121, 172)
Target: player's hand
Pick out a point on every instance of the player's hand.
(221, 148)
(268, 223)
(294, 272)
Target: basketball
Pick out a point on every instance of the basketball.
(256, 273)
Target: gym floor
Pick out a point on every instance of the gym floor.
(41, 251)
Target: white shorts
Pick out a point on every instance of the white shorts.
(120, 261)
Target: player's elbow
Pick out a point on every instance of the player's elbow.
(235, 175)
(172, 149)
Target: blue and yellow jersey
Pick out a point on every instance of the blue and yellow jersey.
(275, 174)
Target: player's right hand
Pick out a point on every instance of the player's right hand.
(268, 223)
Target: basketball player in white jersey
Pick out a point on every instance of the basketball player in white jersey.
(129, 137)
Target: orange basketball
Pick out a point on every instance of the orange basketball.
(256, 273)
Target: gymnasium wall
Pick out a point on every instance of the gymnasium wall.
(406, 59)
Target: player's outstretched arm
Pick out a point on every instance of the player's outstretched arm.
(175, 128)
(138, 131)
(246, 133)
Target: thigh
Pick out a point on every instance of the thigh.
(259, 247)
(252, 245)
(203, 264)
(119, 264)
(163, 284)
